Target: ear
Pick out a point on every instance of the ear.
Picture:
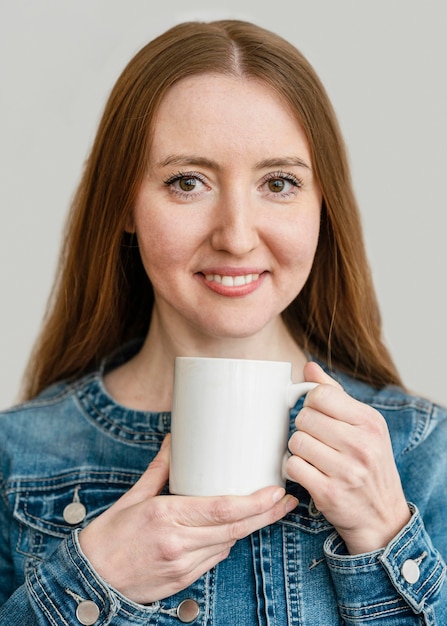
(129, 224)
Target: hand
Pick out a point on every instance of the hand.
(149, 546)
(342, 455)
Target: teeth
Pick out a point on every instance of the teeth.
(232, 281)
(240, 280)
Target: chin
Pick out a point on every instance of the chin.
(236, 331)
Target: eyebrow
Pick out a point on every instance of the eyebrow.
(187, 159)
(280, 161)
(195, 160)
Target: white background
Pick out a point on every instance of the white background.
(384, 65)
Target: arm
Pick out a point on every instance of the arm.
(180, 537)
(401, 585)
(381, 556)
(146, 547)
(60, 591)
(43, 598)
(54, 589)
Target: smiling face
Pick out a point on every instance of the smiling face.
(227, 217)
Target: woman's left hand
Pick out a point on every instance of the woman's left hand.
(342, 455)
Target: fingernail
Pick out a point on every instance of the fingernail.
(278, 495)
(291, 503)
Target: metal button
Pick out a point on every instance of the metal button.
(87, 612)
(410, 571)
(188, 611)
(74, 513)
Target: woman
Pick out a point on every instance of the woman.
(216, 217)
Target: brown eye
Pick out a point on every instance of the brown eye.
(276, 185)
(187, 183)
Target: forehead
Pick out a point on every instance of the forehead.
(212, 107)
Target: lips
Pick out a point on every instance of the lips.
(231, 281)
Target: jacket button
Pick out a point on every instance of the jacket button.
(410, 571)
(188, 611)
(74, 513)
(87, 612)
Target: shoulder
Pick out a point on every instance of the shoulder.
(44, 405)
(42, 423)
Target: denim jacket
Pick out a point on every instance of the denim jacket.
(67, 455)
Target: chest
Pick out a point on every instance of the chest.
(276, 576)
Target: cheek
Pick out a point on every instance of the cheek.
(298, 243)
(157, 253)
(162, 245)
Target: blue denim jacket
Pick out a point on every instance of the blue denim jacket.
(74, 444)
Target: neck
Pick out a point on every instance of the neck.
(145, 382)
(164, 342)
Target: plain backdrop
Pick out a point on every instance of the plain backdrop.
(384, 66)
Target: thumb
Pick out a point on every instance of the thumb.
(153, 480)
(316, 374)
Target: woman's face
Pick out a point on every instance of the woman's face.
(227, 217)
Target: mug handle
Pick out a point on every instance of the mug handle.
(296, 390)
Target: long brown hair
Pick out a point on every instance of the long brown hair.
(102, 297)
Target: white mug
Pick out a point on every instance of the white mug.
(230, 424)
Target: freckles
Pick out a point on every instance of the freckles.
(299, 233)
(299, 255)
(161, 249)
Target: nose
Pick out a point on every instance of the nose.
(235, 227)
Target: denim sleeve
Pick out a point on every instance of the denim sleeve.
(65, 591)
(398, 586)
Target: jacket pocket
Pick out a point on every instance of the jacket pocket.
(46, 510)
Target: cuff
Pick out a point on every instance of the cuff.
(66, 590)
(406, 574)
(414, 566)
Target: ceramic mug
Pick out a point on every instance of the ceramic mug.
(230, 424)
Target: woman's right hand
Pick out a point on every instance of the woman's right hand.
(149, 546)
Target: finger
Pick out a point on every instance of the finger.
(307, 475)
(228, 518)
(213, 534)
(323, 395)
(323, 457)
(332, 432)
(153, 480)
(244, 527)
(221, 510)
(337, 404)
(230, 509)
(315, 373)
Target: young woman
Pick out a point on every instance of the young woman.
(216, 217)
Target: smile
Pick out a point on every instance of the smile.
(232, 281)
